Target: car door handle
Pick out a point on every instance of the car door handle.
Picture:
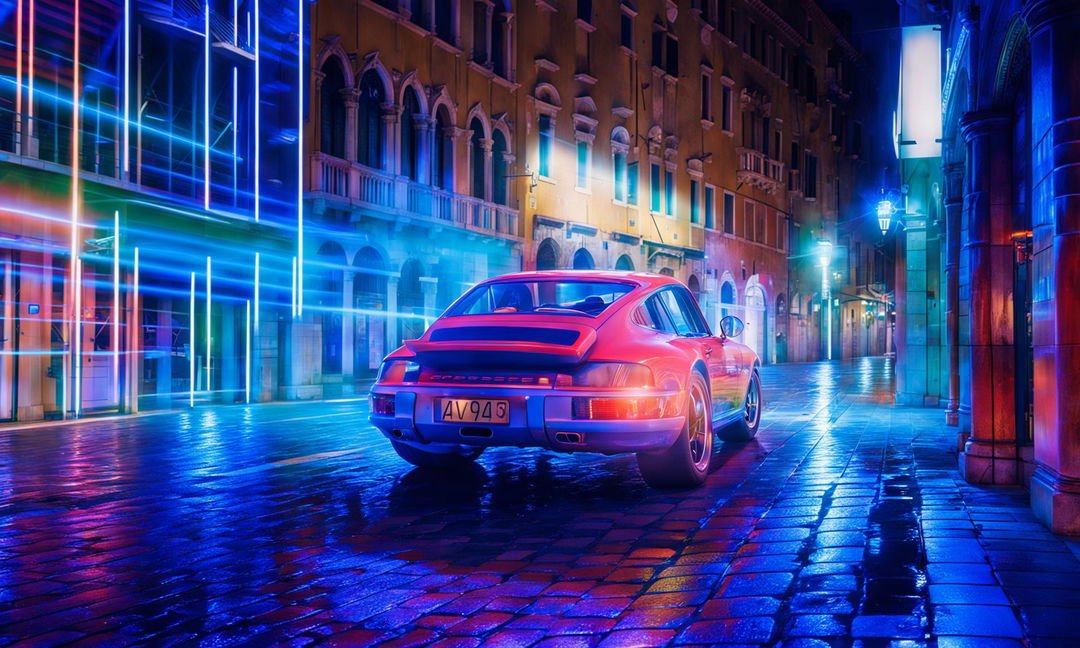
(708, 351)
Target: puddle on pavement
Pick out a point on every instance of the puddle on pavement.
(894, 568)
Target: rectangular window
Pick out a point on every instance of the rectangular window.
(671, 65)
(725, 107)
(626, 31)
(777, 150)
(669, 193)
(632, 183)
(582, 165)
(695, 207)
(749, 221)
(547, 138)
(654, 188)
(710, 206)
(584, 10)
(811, 176)
(729, 213)
(619, 177)
(706, 97)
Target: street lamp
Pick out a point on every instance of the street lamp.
(825, 256)
(885, 211)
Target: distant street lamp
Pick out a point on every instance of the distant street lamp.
(825, 256)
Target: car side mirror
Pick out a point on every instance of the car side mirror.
(731, 326)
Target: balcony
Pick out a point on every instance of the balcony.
(759, 171)
(363, 187)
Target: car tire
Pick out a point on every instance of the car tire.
(686, 463)
(747, 426)
(425, 459)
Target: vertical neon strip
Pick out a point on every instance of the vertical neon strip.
(18, 74)
(75, 353)
(293, 304)
(191, 345)
(256, 293)
(209, 327)
(235, 24)
(116, 307)
(257, 125)
(235, 185)
(30, 73)
(135, 329)
(127, 87)
(247, 352)
(300, 165)
(206, 110)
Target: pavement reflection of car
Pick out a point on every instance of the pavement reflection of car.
(608, 362)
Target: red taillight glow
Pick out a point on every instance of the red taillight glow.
(606, 409)
(382, 404)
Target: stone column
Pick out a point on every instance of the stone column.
(990, 454)
(391, 114)
(954, 204)
(348, 341)
(351, 96)
(425, 126)
(391, 314)
(486, 144)
(1055, 108)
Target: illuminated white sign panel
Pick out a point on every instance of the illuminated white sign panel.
(919, 133)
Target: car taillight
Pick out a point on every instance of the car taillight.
(608, 374)
(382, 404)
(608, 409)
(397, 371)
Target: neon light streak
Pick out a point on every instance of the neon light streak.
(206, 109)
(235, 24)
(300, 163)
(30, 77)
(247, 352)
(191, 345)
(116, 307)
(136, 318)
(235, 186)
(76, 267)
(257, 135)
(256, 293)
(18, 74)
(127, 86)
(209, 328)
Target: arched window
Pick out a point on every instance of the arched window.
(727, 298)
(667, 272)
(443, 172)
(583, 260)
(477, 170)
(547, 255)
(620, 147)
(624, 262)
(369, 127)
(410, 138)
(499, 168)
(332, 110)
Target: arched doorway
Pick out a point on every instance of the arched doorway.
(624, 262)
(756, 336)
(781, 329)
(727, 298)
(583, 260)
(410, 302)
(369, 304)
(329, 294)
(667, 272)
(547, 255)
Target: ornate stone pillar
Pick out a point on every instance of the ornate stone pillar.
(391, 115)
(990, 454)
(1055, 108)
(348, 353)
(424, 128)
(954, 206)
(486, 144)
(351, 97)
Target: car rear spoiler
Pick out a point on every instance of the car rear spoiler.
(459, 353)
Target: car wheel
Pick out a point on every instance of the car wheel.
(686, 463)
(425, 459)
(745, 428)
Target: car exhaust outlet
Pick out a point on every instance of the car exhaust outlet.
(476, 432)
(569, 437)
(396, 434)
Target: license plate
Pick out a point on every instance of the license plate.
(474, 410)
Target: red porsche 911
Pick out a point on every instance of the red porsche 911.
(608, 362)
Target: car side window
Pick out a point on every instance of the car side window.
(691, 312)
(654, 316)
(683, 325)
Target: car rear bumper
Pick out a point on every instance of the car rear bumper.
(537, 418)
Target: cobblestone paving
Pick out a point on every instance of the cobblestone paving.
(843, 524)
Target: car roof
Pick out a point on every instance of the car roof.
(643, 279)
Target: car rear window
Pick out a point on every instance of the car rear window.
(544, 296)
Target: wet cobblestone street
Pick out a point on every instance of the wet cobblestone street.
(845, 523)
